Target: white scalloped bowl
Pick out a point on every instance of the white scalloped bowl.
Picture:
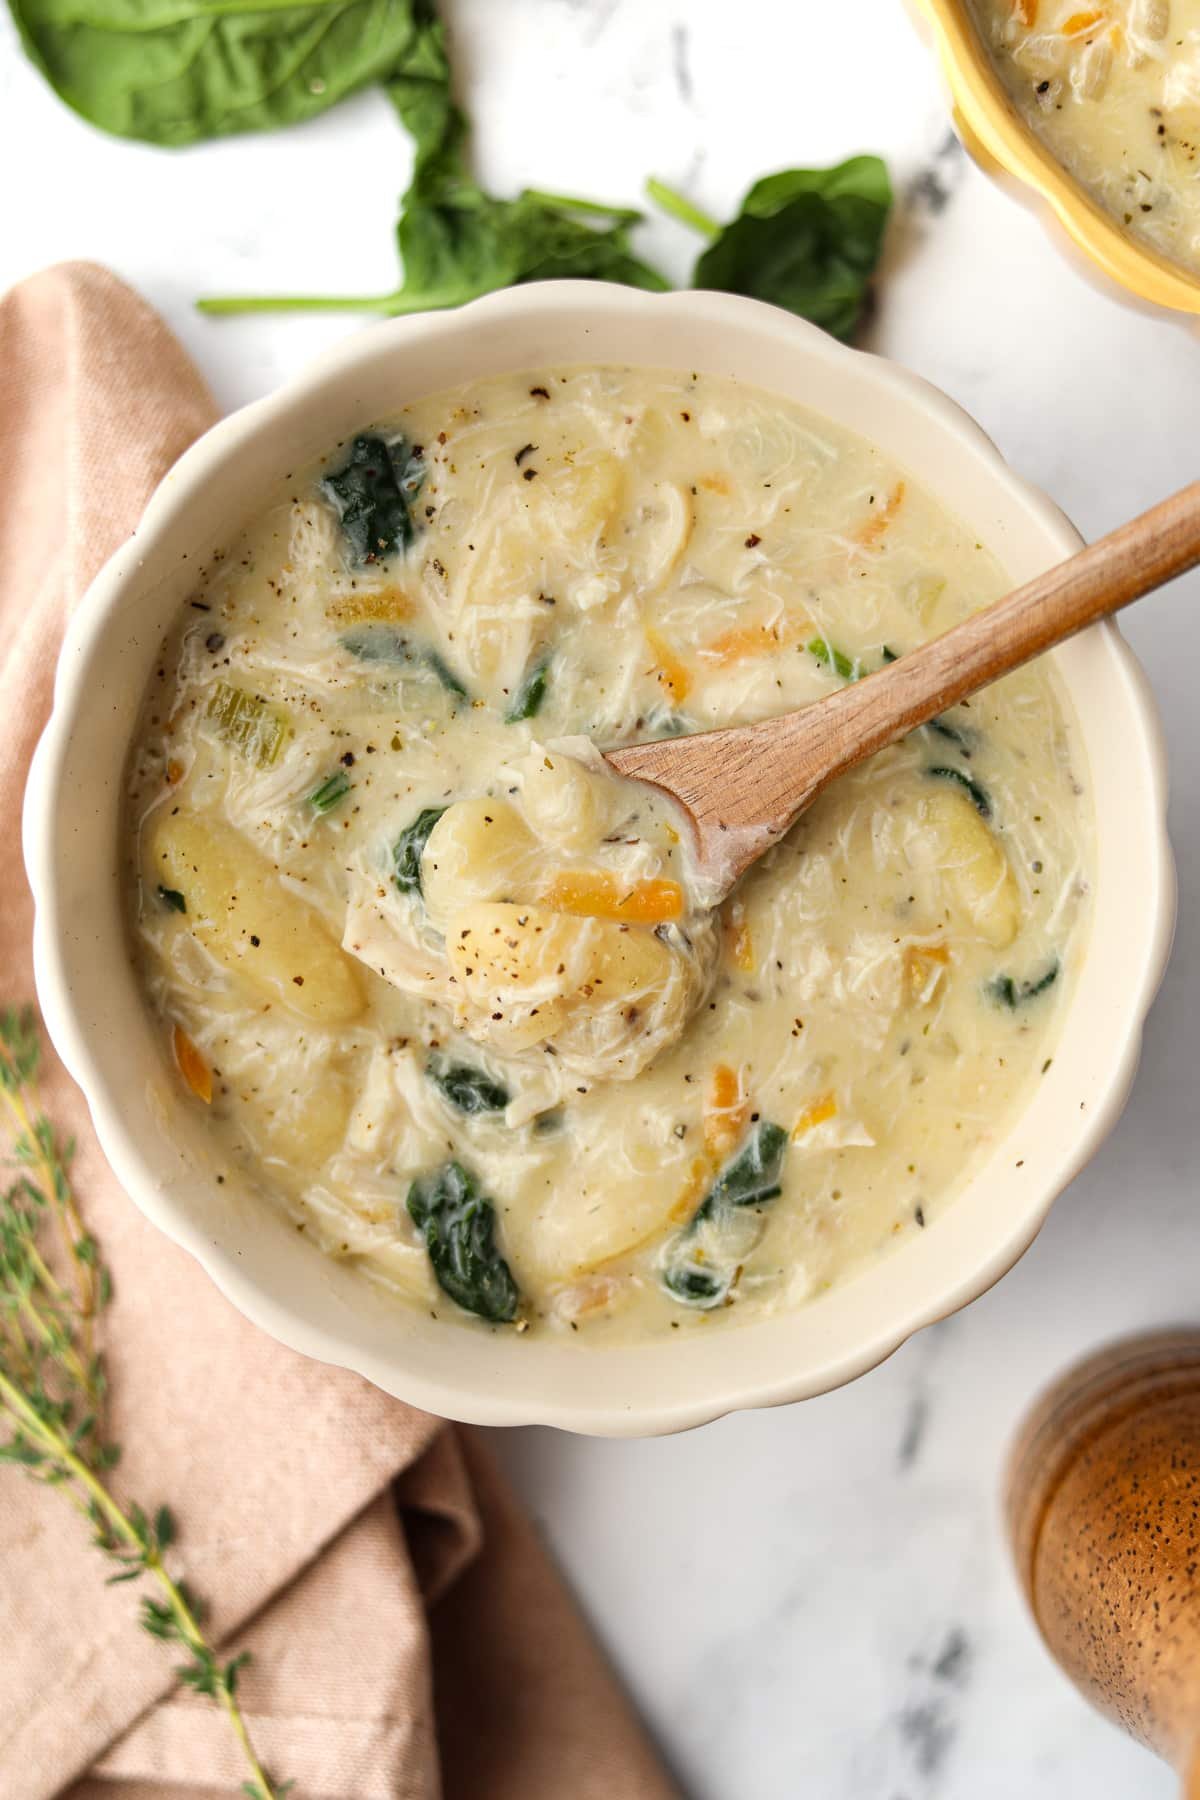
(155, 1139)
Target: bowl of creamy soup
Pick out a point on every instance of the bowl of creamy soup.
(415, 1022)
(1095, 110)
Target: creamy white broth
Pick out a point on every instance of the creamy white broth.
(1114, 91)
(413, 951)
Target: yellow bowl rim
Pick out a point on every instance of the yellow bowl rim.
(990, 123)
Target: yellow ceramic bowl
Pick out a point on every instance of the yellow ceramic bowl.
(1003, 144)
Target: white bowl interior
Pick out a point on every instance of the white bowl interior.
(154, 1138)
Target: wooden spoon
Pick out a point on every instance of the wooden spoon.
(743, 787)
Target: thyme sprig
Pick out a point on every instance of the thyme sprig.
(52, 1380)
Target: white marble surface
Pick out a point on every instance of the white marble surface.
(814, 1601)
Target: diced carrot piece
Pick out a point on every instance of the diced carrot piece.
(880, 518)
(672, 674)
(599, 894)
(1025, 12)
(739, 944)
(1080, 21)
(923, 964)
(699, 1176)
(726, 1110)
(388, 605)
(822, 1109)
(742, 641)
(174, 771)
(192, 1066)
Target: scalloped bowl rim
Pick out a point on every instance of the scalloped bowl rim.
(85, 980)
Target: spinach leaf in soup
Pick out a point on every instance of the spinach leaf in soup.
(410, 847)
(470, 1090)
(527, 701)
(805, 239)
(176, 74)
(458, 1225)
(751, 1176)
(373, 495)
(702, 1261)
(976, 793)
(1012, 994)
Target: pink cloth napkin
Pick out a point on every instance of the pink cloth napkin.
(410, 1638)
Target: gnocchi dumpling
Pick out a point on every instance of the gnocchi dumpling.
(970, 861)
(561, 799)
(607, 995)
(479, 849)
(236, 906)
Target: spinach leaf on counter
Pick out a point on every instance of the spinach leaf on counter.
(978, 795)
(373, 494)
(1008, 992)
(470, 1090)
(457, 241)
(459, 1225)
(410, 847)
(527, 701)
(805, 239)
(702, 1260)
(176, 74)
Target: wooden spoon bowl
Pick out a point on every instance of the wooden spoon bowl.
(742, 788)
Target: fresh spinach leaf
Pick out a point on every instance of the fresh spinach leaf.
(749, 1177)
(335, 787)
(527, 701)
(1006, 991)
(373, 494)
(701, 1262)
(978, 795)
(410, 847)
(456, 241)
(470, 1090)
(805, 239)
(459, 1227)
(178, 71)
(941, 727)
(376, 642)
(172, 899)
(445, 675)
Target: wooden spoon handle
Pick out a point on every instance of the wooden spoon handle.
(1099, 580)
